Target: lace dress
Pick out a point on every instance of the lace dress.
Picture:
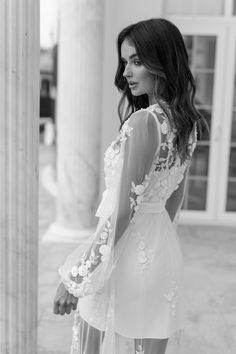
(129, 273)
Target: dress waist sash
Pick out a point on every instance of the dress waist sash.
(152, 207)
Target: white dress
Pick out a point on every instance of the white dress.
(129, 274)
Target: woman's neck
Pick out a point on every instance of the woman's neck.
(152, 99)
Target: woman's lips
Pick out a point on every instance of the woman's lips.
(132, 85)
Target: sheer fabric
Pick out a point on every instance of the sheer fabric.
(129, 274)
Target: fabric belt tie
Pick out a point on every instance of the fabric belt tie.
(157, 207)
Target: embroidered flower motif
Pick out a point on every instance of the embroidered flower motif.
(193, 141)
(138, 189)
(171, 297)
(112, 156)
(78, 290)
(74, 271)
(139, 199)
(125, 131)
(104, 235)
(111, 153)
(170, 141)
(83, 270)
(92, 258)
(137, 192)
(141, 245)
(132, 202)
(164, 128)
(88, 263)
(116, 148)
(142, 258)
(110, 161)
(99, 253)
(104, 250)
(105, 258)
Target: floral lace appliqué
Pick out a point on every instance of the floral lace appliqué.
(168, 150)
(137, 193)
(164, 128)
(172, 297)
(81, 273)
(125, 131)
(193, 141)
(144, 255)
(111, 156)
(111, 153)
(110, 162)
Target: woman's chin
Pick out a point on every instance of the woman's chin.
(136, 93)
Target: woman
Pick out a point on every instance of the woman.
(129, 274)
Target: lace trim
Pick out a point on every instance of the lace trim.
(137, 193)
(80, 276)
(111, 156)
(125, 131)
(167, 145)
(167, 142)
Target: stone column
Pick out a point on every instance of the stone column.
(79, 118)
(19, 115)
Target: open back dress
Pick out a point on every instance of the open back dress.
(129, 274)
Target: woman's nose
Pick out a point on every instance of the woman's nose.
(127, 72)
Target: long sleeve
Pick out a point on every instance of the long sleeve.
(127, 163)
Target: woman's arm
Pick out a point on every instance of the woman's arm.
(138, 157)
(85, 272)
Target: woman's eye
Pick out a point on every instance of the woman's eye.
(136, 62)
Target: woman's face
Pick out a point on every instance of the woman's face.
(140, 80)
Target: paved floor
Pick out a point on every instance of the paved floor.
(210, 276)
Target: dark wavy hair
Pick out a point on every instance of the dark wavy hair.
(161, 49)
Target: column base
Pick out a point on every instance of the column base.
(57, 233)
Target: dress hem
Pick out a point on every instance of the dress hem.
(169, 335)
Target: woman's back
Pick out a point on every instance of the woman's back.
(167, 170)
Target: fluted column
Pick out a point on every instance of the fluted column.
(19, 114)
(79, 118)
